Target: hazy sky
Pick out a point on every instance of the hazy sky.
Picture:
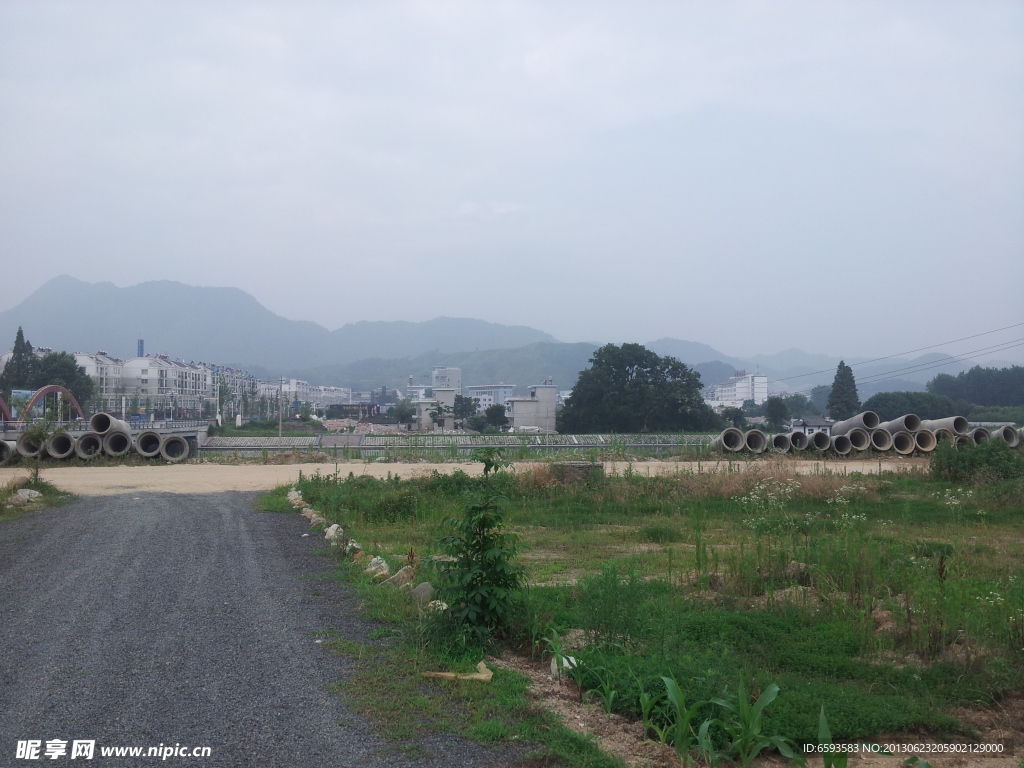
(841, 177)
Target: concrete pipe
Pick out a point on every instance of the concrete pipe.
(819, 441)
(881, 440)
(959, 440)
(147, 444)
(781, 443)
(8, 448)
(730, 440)
(798, 440)
(103, 423)
(925, 440)
(903, 443)
(841, 444)
(866, 421)
(859, 439)
(29, 447)
(88, 446)
(117, 443)
(943, 434)
(1006, 434)
(174, 448)
(755, 440)
(908, 423)
(979, 435)
(61, 446)
(956, 424)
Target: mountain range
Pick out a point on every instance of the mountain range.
(230, 327)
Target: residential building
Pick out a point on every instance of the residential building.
(490, 394)
(535, 413)
(811, 424)
(742, 386)
(105, 371)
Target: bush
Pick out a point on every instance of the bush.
(976, 464)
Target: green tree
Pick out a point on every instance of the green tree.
(61, 368)
(735, 417)
(819, 397)
(495, 415)
(842, 400)
(982, 386)
(632, 389)
(801, 405)
(927, 405)
(17, 374)
(403, 410)
(465, 406)
(776, 411)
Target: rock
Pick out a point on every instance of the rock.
(377, 565)
(437, 605)
(317, 520)
(28, 494)
(334, 530)
(403, 577)
(422, 593)
(359, 556)
(308, 512)
(353, 547)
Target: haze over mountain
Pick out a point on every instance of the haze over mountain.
(228, 326)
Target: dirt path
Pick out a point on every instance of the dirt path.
(211, 478)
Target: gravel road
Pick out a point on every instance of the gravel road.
(157, 619)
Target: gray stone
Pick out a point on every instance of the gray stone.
(28, 494)
(422, 593)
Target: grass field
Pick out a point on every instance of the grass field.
(890, 600)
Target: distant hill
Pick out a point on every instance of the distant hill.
(228, 326)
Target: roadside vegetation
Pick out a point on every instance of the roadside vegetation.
(13, 505)
(894, 601)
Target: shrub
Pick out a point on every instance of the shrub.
(977, 464)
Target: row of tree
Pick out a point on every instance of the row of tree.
(26, 370)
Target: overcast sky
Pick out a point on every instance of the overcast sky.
(845, 178)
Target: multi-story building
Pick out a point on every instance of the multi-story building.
(156, 383)
(737, 390)
(490, 394)
(442, 377)
(535, 413)
(105, 371)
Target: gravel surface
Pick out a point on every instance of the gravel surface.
(159, 619)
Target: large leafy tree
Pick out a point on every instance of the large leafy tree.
(18, 373)
(983, 386)
(842, 400)
(892, 405)
(632, 389)
(62, 368)
(776, 411)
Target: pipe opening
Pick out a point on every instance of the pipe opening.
(903, 443)
(870, 419)
(841, 445)
(781, 443)
(859, 439)
(756, 441)
(60, 446)
(89, 446)
(148, 444)
(5, 452)
(798, 440)
(732, 439)
(117, 444)
(100, 423)
(820, 441)
(925, 440)
(174, 448)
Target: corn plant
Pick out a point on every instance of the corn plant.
(745, 723)
(648, 703)
(682, 732)
(604, 691)
(832, 759)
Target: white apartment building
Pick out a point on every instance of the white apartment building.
(733, 393)
(157, 383)
(442, 377)
(535, 413)
(490, 394)
(106, 372)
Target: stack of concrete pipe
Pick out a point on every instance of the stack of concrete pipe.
(106, 435)
(864, 431)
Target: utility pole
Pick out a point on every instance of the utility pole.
(280, 404)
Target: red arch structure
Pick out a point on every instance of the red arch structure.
(5, 411)
(42, 392)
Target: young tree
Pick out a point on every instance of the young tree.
(17, 374)
(842, 400)
(735, 417)
(494, 415)
(403, 410)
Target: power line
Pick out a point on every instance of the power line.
(908, 352)
(926, 366)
